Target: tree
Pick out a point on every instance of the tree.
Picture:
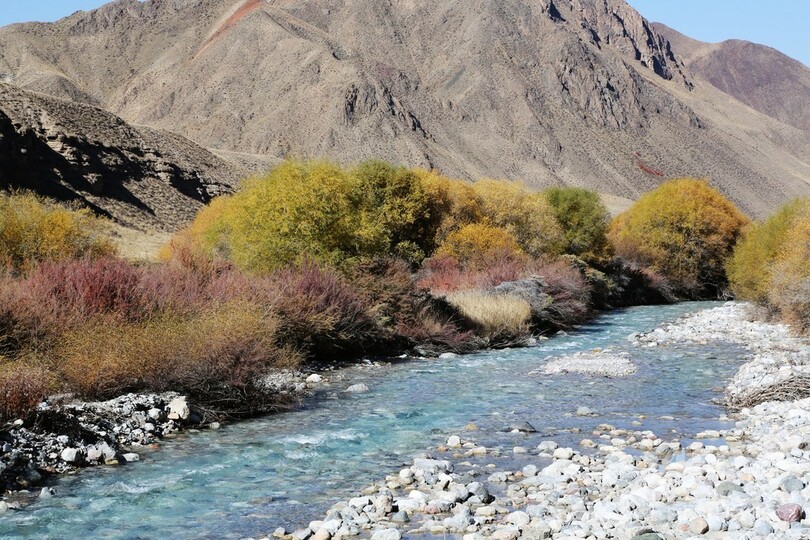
(684, 230)
(790, 275)
(750, 268)
(299, 208)
(397, 214)
(527, 216)
(478, 244)
(583, 218)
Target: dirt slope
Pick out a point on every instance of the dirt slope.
(578, 92)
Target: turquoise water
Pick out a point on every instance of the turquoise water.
(285, 470)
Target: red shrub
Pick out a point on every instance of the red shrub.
(321, 312)
(442, 275)
(569, 289)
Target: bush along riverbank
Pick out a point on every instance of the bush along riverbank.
(312, 265)
(747, 482)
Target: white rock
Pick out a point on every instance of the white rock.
(179, 409)
(71, 455)
(387, 534)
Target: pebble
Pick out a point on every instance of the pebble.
(728, 484)
(698, 526)
(387, 534)
(790, 512)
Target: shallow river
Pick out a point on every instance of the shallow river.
(284, 470)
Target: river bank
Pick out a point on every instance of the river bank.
(749, 481)
(64, 434)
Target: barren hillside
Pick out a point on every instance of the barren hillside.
(578, 92)
(141, 177)
(759, 76)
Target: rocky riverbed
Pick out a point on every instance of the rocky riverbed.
(750, 481)
(65, 435)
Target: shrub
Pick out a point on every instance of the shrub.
(750, 267)
(527, 216)
(477, 244)
(202, 242)
(321, 313)
(33, 230)
(790, 288)
(22, 387)
(584, 220)
(684, 230)
(216, 355)
(443, 274)
(501, 319)
(570, 293)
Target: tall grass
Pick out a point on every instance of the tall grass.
(22, 386)
(500, 319)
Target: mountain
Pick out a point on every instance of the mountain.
(759, 76)
(141, 177)
(576, 92)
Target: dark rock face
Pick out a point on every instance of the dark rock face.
(76, 152)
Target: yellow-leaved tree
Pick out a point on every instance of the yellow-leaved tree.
(478, 245)
(750, 268)
(298, 208)
(789, 293)
(33, 229)
(526, 215)
(684, 230)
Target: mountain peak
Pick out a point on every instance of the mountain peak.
(578, 92)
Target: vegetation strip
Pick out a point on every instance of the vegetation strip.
(316, 263)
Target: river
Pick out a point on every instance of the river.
(286, 469)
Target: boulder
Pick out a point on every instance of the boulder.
(179, 409)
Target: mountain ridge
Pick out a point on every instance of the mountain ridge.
(139, 176)
(762, 77)
(576, 92)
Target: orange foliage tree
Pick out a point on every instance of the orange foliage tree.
(684, 230)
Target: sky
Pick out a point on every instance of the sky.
(782, 24)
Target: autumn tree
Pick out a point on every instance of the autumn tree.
(750, 268)
(584, 220)
(684, 230)
(527, 216)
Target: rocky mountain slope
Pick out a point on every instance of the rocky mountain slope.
(759, 76)
(141, 177)
(578, 92)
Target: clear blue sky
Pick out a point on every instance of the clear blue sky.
(782, 24)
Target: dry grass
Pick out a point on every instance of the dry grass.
(499, 318)
(215, 355)
(22, 386)
(136, 245)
